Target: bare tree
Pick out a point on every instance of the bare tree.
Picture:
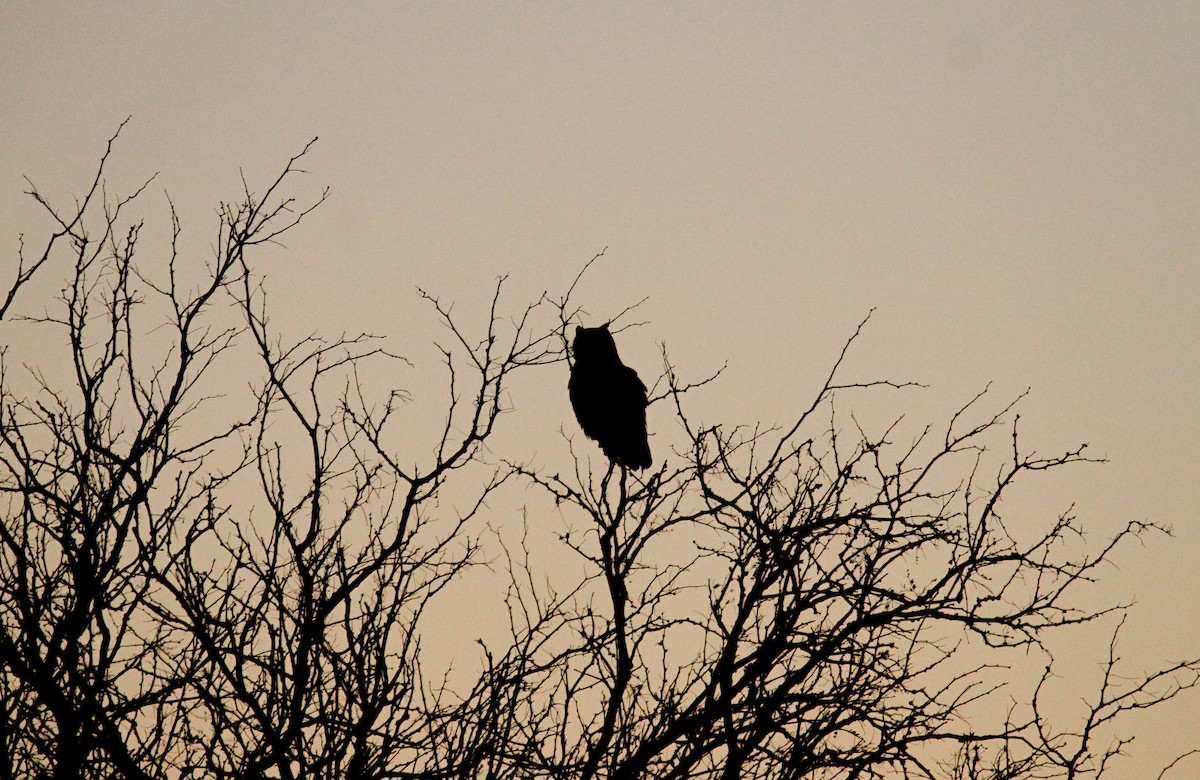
(202, 577)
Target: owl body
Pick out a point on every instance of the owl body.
(609, 399)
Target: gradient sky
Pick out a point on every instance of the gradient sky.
(1015, 188)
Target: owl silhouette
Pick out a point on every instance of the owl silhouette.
(609, 399)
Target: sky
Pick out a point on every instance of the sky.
(1014, 188)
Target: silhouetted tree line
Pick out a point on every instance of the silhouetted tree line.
(197, 587)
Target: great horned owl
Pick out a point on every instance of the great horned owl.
(609, 399)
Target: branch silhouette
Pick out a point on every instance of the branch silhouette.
(222, 548)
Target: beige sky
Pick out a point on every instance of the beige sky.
(1014, 187)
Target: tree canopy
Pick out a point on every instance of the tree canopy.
(218, 555)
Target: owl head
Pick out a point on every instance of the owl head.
(594, 344)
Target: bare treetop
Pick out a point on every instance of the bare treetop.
(205, 573)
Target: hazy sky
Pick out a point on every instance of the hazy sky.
(1015, 188)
